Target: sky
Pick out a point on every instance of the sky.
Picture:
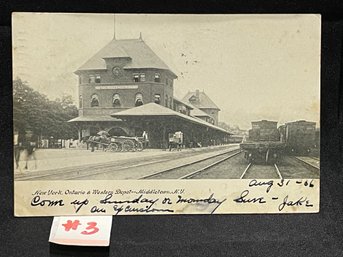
(252, 66)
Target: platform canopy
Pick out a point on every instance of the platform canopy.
(93, 118)
(155, 110)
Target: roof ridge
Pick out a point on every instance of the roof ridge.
(127, 39)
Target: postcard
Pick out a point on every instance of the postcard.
(155, 114)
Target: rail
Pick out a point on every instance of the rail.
(190, 175)
(250, 165)
(236, 152)
(303, 160)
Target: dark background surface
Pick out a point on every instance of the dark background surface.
(185, 235)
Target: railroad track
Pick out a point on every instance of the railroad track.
(77, 172)
(310, 161)
(82, 171)
(250, 166)
(191, 169)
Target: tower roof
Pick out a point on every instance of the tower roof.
(139, 53)
(200, 100)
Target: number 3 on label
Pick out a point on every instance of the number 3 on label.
(92, 225)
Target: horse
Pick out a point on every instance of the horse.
(95, 141)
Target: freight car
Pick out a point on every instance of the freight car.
(300, 137)
(263, 143)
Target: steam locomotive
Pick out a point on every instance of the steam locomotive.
(268, 143)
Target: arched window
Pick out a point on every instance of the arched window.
(139, 99)
(116, 100)
(97, 79)
(95, 100)
(80, 101)
(157, 98)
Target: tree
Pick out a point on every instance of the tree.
(34, 111)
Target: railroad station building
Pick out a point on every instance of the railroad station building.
(205, 107)
(125, 89)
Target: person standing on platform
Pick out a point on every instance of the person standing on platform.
(30, 147)
(145, 139)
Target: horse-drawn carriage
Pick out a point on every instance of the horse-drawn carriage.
(116, 143)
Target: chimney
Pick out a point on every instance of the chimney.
(197, 94)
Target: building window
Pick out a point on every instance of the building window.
(193, 99)
(139, 77)
(97, 79)
(157, 77)
(139, 99)
(79, 79)
(116, 101)
(91, 79)
(170, 102)
(95, 100)
(80, 101)
(182, 109)
(157, 98)
(136, 77)
(166, 101)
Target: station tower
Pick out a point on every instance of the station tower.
(124, 74)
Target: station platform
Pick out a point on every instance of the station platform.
(51, 159)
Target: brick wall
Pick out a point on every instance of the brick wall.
(148, 89)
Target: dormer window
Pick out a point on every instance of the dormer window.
(193, 99)
(97, 79)
(157, 78)
(91, 79)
